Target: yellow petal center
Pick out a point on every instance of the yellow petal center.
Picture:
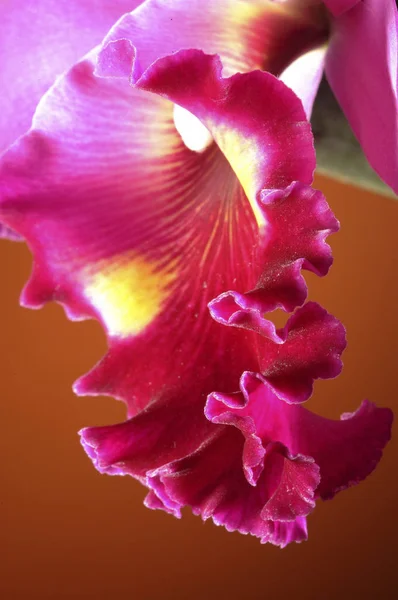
(129, 292)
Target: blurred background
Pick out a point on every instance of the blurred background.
(69, 532)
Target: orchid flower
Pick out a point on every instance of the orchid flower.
(183, 253)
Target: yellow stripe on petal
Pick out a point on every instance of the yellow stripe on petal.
(249, 39)
(250, 12)
(243, 156)
(129, 293)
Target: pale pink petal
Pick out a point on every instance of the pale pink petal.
(361, 67)
(304, 75)
(39, 40)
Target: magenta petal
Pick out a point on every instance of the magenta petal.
(39, 40)
(361, 67)
(167, 431)
(295, 492)
(290, 359)
(211, 482)
(247, 35)
(313, 343)
(338, 7)
(290, 480)
(167, 495)
(346, 451)
(284, 533)
(298, 223)
(255, 465)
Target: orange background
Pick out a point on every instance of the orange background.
(68, 532)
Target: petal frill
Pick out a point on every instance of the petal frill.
(167, 430)
(346, 451)
(212, 483)
(298, 223)
(159, 434)
(361, 67)
(259, 469)
(246, 34)
(309, 347)
(39, 41)
(128, 225)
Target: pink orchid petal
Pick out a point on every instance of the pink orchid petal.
(211, 482)
(290, 359)
(298, 223)
(246, 34)
(304, 75)
(338, 7)
(361, 67)
(282, 39)
(249, 36)
(168, 430)
(346, 451)
(269, 457)
(164, 424)
(279, 533)
(152, 224)
(358, 437)
(39, 40)
(251, 477)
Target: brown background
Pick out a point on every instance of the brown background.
(68, 532)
